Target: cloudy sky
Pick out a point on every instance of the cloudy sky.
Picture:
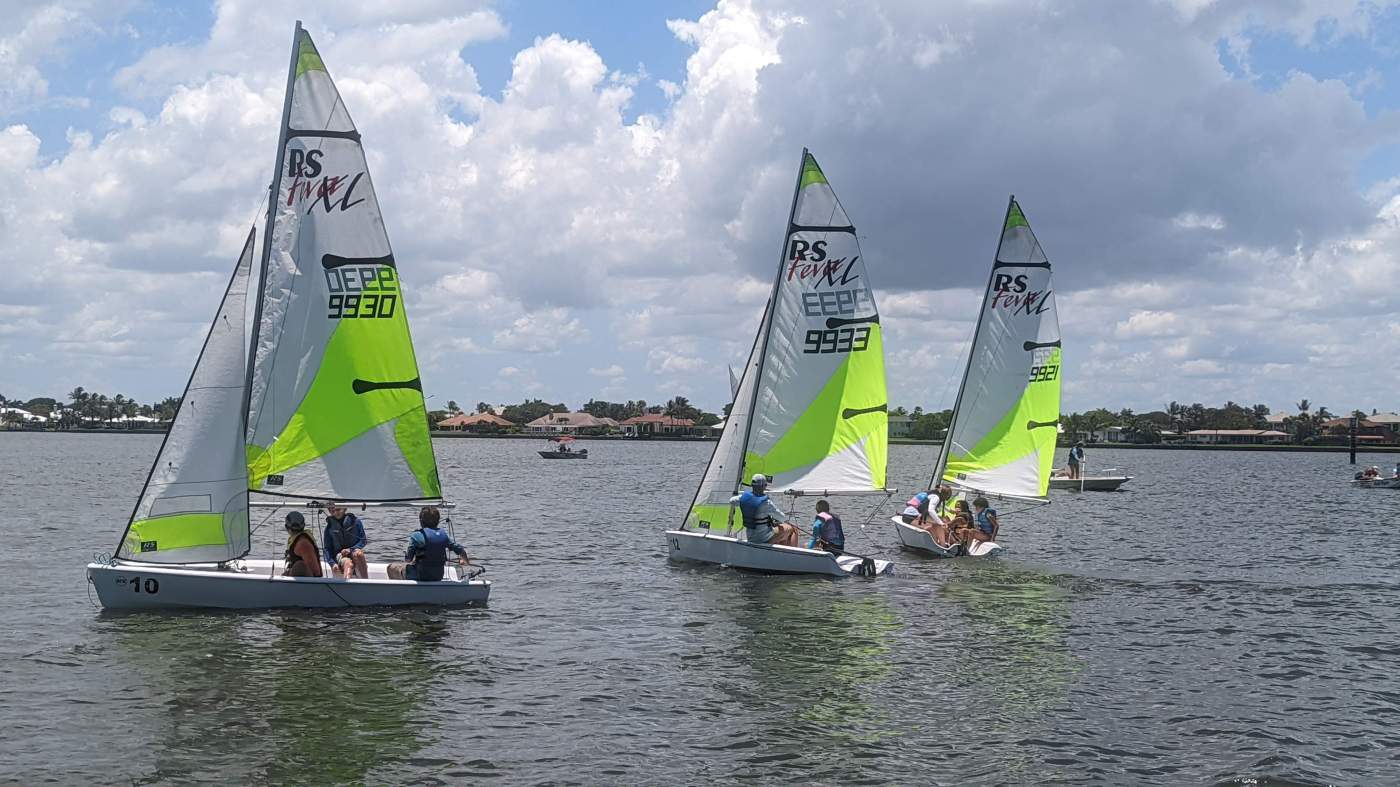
(587, 199)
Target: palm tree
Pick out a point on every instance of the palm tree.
(1303, 406)
(452, 406)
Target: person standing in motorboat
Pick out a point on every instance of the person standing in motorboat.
(426, 558)
(985, 519)
(1076, 458)
(302, 558)
(826, 531)
(764, 522)
(344, 542)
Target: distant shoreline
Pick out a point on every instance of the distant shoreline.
(1326, 449)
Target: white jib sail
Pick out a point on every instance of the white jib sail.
(1002, 438)
(194, 507)
(336, 406)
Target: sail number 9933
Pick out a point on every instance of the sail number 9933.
(837, 340)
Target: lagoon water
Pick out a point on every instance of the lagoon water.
(1230, 617)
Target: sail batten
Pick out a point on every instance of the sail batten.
(336, 406)
(1005, 421)
(810, 409)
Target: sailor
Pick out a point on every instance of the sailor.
(1076, 458)
(344, 542)
(763, 520)
(985, 518)
(826, 531)
(426, 558)
(302, 557)
(962, 527)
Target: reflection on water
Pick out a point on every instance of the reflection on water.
(1015, 628)
(310, 697)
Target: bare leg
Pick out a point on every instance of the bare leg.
(361, 566)
(345, 567)
(396, 570)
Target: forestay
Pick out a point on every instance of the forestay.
(1005, 421)
(194, 506)
(336, 406)
(810, 408)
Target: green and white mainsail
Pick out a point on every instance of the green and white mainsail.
(335, 406)
(810, 409)
(194, 506)
(1002, 437)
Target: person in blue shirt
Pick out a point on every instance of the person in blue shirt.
(826, 531)
(344, 542)
(426, 558)
(1076, 458)
(764, 522)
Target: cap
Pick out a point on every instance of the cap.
(295, 521)
(759, 479)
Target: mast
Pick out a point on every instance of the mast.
(272, 199)
(943, 450)
(766, 330)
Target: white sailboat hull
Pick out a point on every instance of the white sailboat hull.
(1100, 483)
(917, 538)
(1376, 483)
(130, 585)
(736, 553)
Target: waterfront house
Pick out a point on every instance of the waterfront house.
(473, 422)
(650, 424)
(21, 415)
(1236, 436)
(901, 425)
(1367, 430)
(570, 423)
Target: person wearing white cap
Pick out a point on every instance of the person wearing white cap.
(763, 520)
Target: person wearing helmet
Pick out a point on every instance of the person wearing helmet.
(764, 522)
(302, 557)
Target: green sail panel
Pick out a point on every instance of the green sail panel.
(336, 406)
(1002, 438)
(194, 506)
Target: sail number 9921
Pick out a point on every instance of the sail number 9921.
(837, 340)
(1045, 373)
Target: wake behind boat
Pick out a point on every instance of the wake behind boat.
(809, 410)
(1001, 440)
(326, 404)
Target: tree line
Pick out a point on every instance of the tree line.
(529, 410)
(82, 405)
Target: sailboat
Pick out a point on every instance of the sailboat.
(1001, 440)
(809, 411)
(323, 403)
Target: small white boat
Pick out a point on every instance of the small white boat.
(809, 408)
(1001, 439)
(1091, 483)
(258, 584)
(563, 451)
(920, 539)
(734, 552)
(319, 401)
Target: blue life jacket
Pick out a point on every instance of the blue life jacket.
(1076, 455)
(749, 503)
(830, 530)
(431, 558)
(984, 520)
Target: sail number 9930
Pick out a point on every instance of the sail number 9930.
(361, 293)
(1045, 373)
(837, 340)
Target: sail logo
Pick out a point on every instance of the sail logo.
(832, 272)
(323, 191)
(1012, 294)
